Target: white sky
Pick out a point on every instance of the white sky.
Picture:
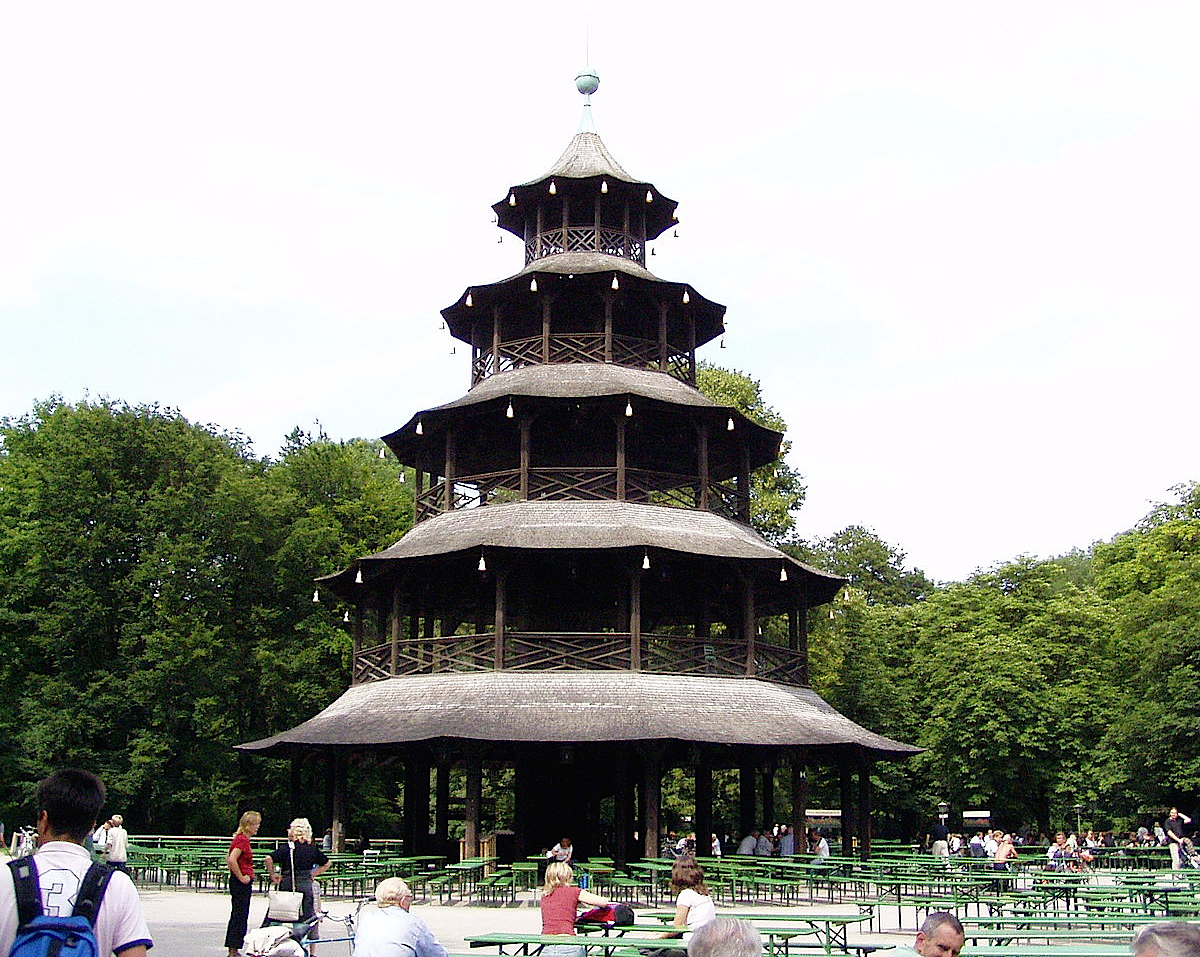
(958, 241)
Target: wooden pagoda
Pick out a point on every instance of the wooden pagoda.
(581, 593)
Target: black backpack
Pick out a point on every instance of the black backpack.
(38, 934)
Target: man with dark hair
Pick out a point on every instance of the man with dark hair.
(941, 935)
(1173, 827)
(68, 804)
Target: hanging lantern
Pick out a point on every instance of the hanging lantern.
(533, 284)
(645, 560)
(604, 186)
(553, 188)
(512, 199)
(402, 478)
(358, 577)
(346, 618)
(316, 596)
(616, 283)
(782, 574)
(729, 425)
(508, 413)
(628, 410)
(649, 196)
(470, 302)
(686, 297)
(420, 429)
(383, 453)
(482, 566)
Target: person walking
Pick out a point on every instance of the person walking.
(118, 844)
(240, 861)
(1173, 827)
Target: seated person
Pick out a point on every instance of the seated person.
(389, 930)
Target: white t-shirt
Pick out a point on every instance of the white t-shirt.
(118, 845)
(61, 867)
(700, 907)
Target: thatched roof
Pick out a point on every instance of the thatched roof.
(586, 163)
(558, 707)
(586, 270)
(575, 381)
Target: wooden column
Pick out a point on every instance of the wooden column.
(441, 809)
(526, 424)
(635, 620)
(845, 782)
(621, 421)
(622, 806)
(702, 463)
(744, 488)
(495, 339)
(474, 802)
(546, 329)
(608, 326)
(416, 804)
(747, 800)
(864, 809)
(396, 629)
(799, 783)
(802, 616)
(501, 576)
(749, 626)
(662, 337)
(691, 327)
(652, 807)
(702, 819)
(448, 471)
(768, 794)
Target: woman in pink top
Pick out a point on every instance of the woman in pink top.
(560, 904)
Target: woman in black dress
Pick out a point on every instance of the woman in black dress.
(294, 863)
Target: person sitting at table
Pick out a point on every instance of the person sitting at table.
(819, 846)
(1059, 857)
(389, 930)
(694, 906)
(941, 935)
(1005, 852)
(1173, 938)
(726, 937)
(560, 903)
(561, 852)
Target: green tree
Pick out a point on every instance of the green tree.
(776, 490)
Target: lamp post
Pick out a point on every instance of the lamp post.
(1078, 821)
(943, 811)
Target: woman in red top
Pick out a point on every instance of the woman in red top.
(241, 875)
(560, 903)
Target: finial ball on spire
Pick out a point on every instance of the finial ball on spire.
(587, 83)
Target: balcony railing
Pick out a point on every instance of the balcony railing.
(582, 347)
(613, 242)
(578, 651)
(584, 484)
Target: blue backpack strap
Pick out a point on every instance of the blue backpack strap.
(91, 892)
(25, 887)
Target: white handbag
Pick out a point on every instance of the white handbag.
(285, 905)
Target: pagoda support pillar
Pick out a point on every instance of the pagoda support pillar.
(652, 756)
(702, 463)
(635, 620)
(501, 578)
(395, 628)
(799, 795)
(441, 804)
(608, 327)
(448, 471)
(768, 793)
(622, 806)
(526, 423)
(621, 458)
(845, 787)
(416, 804)
(335, 770)
(864, 809)
(702, 818)
(662, 337)
(473, 803)
(749, 625)
(546, 329)
(747, 800)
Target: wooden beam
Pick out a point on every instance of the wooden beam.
(799, 795)
(501, 578)
(652, 788)
(474, 802)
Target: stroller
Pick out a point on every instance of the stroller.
(1188, 853)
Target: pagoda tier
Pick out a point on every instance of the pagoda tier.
(583, 432)
(584, 307)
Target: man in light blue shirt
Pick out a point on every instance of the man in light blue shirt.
(389, 930)
(941, 935)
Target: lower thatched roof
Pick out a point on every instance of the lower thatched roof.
(560, 707)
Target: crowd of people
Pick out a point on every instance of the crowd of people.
(778, 841)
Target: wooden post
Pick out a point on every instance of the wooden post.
(448, 472)
(652, 788)
(747, 800)
(526, 423)
(635, 620)
(608, 326)
(546, 329)
(845, 782)
(744, 488)
(802, 615)
(496, 338)
(441, 815)
(864, 809)
(337, 811)
(621, 420)
(702, 817)
(768, 794)
(662, 337)
(501, 576)
(799, 782)
(397, 617)
(702, 463)
(474, 802)
(749, 625)
(622, 806)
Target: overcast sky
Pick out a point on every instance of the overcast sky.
(958, 242)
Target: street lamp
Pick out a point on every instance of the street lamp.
(1078, 822)
(943, 811)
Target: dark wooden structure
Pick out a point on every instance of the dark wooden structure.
(581, 595)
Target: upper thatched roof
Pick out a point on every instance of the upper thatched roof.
(559, 707)
(586, 155)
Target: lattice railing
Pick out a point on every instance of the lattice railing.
(613, 242)
(579, 651)
(629, 351)
(582, 484)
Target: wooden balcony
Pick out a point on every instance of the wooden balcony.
(585, 484)
(579, 651)
(584, 347)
